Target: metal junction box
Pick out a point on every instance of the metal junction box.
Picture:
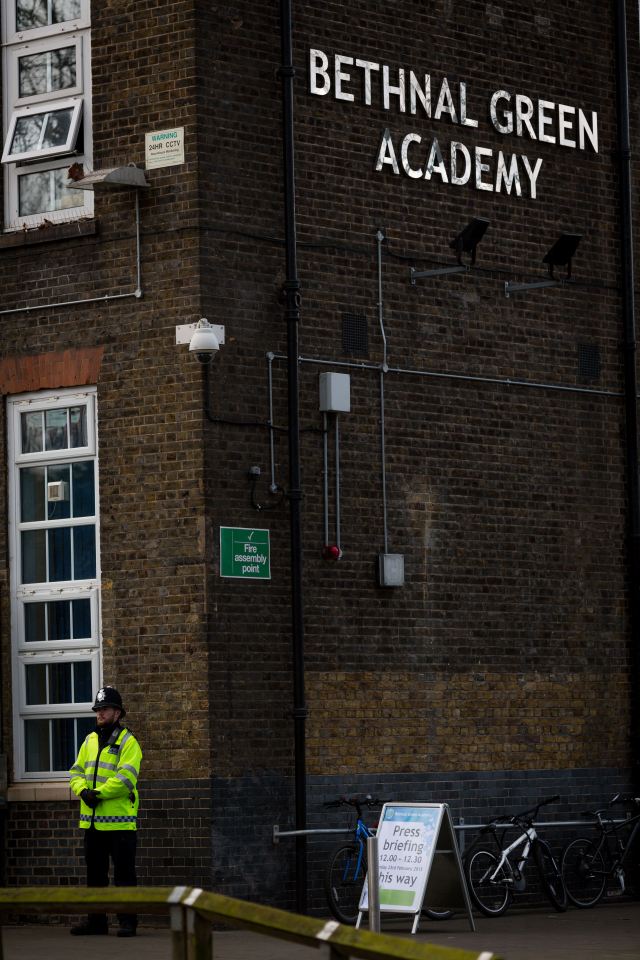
(335, 393)
(391, 569)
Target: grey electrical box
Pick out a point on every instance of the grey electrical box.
(391, 570)
(335, 393)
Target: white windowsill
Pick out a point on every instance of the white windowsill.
(29, 792)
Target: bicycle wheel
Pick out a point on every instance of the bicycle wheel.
(491, 893)
(437, 913)
(550, 875)
(583, 872)
(344, 880)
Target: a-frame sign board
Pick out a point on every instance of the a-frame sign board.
(419, 862)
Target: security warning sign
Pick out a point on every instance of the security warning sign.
(164, 148)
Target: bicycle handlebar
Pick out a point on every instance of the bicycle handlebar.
(357, 802)
(527, 816)
(617, 798)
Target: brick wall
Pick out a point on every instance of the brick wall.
(173, 838)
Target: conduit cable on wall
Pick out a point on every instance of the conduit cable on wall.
(137, 293)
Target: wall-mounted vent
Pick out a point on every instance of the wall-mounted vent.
(355, 335)
(588, 361)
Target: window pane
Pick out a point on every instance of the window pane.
(31, 432)
(84, 502)
(26, 135)
(62, 10)
(84, 726)
(58, 123)
(31, 13)
(78, 419)
(59, 619)
(82, 682)
(32, 480)
(34, 563)
(36, 745)
(84, 553)
(46, 72)
(55, 429)
(35, 630)
(46, 191)
(60, 554)
(62, 741)
(81, 619)
(37, 13)
(59, 509)
(60, 683)
(36, 683)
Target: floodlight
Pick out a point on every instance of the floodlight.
(465, 242)
(559, 255)
(562, 251)
(469, 238)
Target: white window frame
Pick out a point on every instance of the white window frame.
(33, 48)
(43, 39)
(44, 109)
(10, 34)
(48, 651)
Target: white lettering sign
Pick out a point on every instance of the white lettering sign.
(419, 94)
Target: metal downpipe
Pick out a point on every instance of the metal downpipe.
(291, 291)
(630, 373)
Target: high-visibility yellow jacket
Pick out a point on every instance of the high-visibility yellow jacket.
(112, 771)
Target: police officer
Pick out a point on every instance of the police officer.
(105, 777)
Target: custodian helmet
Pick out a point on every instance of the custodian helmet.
(108, 697)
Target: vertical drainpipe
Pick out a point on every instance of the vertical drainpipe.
(630, 374)
(291, 292)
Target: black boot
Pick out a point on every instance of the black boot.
(91, 927)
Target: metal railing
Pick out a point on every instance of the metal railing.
(193, 911)
(460, 827)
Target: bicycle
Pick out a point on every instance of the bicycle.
(347, 867)
(587, 864)
(494, 876)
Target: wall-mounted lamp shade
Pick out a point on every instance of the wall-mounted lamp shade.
(469, 238)
(562, 251)
(113, 177)
(204, 342)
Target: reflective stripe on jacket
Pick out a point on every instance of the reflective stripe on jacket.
(112, 771)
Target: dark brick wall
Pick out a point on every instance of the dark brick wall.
(508, 645)
(46, 843)
(472, 797)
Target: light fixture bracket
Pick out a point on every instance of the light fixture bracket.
(437, 272)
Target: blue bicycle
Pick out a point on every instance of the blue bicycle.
(347, 868)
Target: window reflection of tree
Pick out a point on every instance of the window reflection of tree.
(31, 14)
(27, 134)
(44, 191)
(58, 124)
(47, 72)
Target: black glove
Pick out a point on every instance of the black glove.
(91, 798)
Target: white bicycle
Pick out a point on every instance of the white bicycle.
(495, 873)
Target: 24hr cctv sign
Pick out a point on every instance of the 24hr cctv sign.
(356, 80)
(164, 148)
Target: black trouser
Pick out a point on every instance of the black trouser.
(120, 846)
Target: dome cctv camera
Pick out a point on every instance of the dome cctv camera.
(204, 342)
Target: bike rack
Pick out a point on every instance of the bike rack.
(460, 827)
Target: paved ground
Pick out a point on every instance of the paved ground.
(611, 931)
